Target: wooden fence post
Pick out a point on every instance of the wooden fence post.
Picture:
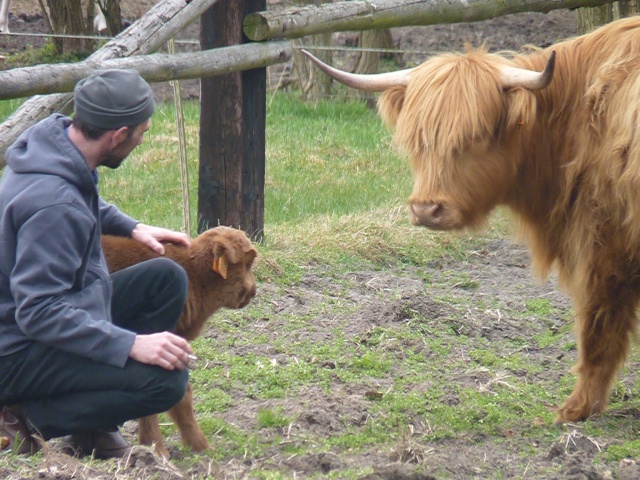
(232, 130)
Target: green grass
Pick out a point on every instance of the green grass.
(271, 418)
(322, 162)
(7, 107)
(37, 56)
(629, 449)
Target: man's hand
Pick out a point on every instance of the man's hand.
(152, 236)
(164, 349)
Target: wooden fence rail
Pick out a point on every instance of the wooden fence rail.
(378, 14)
(42, 79)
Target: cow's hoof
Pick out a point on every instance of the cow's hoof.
(576, 409)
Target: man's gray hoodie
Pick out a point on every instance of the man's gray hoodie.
(54, 284)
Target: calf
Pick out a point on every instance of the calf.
(219, 266)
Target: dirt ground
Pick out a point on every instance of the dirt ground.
(498, 267)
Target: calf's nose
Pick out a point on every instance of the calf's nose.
(249, 293)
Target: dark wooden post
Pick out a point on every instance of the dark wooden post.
(232, 129)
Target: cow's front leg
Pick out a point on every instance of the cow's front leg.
(604, 326)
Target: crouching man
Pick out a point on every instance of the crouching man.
(81, 351)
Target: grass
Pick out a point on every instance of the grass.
(7, 107)
(37, 56)
(348, 166)
(334, 205)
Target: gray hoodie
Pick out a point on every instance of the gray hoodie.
(54, 284)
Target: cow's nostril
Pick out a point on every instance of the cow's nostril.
(435, 210)
(429, 210)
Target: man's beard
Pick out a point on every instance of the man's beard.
(115, 157)
(113, 160)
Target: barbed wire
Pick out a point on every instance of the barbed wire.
(360, 49)
(285, 90)
(83, 37)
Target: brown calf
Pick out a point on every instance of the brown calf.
(218, 265)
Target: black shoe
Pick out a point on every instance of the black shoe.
(102, 444)
(14, 434)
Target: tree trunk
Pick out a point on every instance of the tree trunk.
(113, 16)
(312, 86)
(590, 18)
(67, 18)
(370, 43)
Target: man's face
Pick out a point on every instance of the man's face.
(114, 157)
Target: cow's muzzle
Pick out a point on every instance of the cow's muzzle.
(436, 216)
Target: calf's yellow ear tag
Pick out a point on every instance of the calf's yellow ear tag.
(220, 266)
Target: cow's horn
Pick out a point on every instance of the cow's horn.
(376, 82)
(519, 77)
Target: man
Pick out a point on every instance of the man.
(81, 351)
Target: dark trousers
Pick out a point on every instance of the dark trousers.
(63, 393)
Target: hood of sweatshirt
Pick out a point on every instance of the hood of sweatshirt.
(45, 148)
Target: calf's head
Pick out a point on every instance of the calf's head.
(232, 259)
(460, 119)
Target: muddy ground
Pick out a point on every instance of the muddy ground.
(498, 269)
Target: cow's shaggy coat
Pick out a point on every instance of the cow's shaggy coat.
(565, 159)
(219, 266)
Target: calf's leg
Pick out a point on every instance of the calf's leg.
(182, 414)
(190, 432)
(149, 434)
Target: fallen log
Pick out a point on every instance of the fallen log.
(43, 79)
(297, 22)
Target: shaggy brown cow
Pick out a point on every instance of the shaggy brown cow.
(219, 266)
(561, 149)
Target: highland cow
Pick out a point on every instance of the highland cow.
(559, 148)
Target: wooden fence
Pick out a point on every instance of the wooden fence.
(235, 200)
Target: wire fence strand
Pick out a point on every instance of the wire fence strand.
(335, 48)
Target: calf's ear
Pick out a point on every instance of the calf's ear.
(224, 253)
(220, 265)
(250, 254)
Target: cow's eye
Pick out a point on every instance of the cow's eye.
(474, 141)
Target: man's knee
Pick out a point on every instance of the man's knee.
(170, 389)
(172, 275)
(170, 291)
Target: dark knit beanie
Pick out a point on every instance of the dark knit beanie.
(111, 99)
